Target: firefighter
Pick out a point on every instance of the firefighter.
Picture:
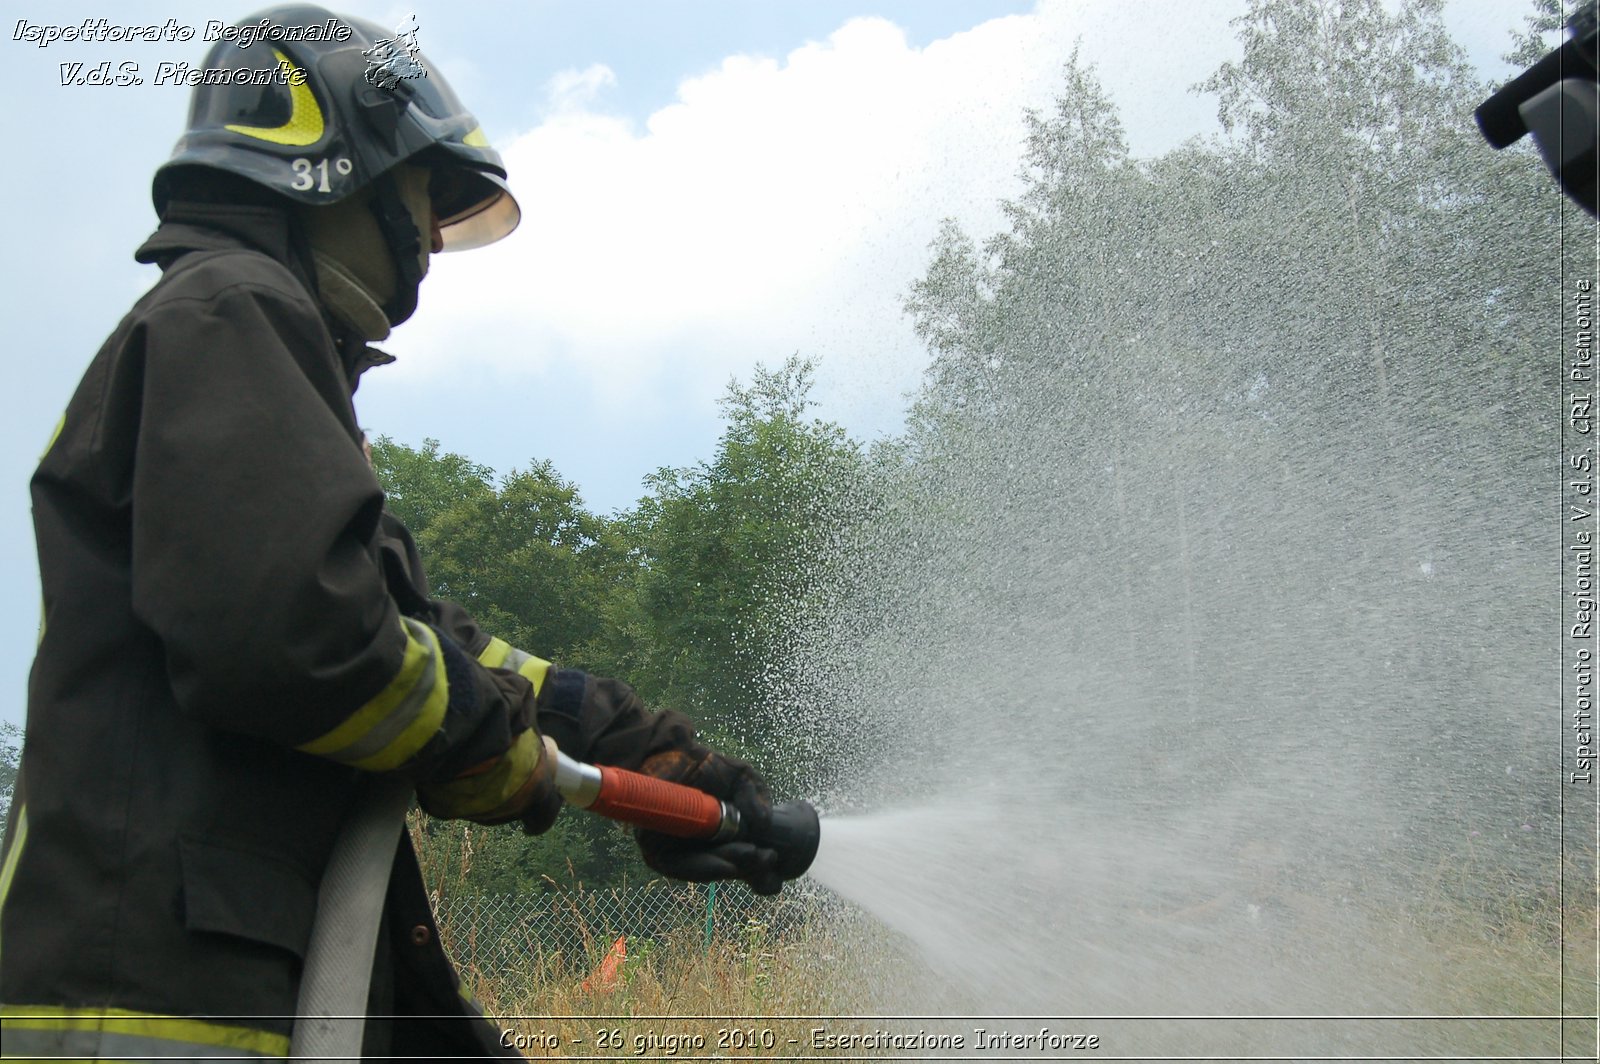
(236, 636)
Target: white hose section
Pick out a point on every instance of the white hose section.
(577, 782)
(330, 1015)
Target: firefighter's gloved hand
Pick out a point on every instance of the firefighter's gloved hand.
(698, 860)
(517, 785)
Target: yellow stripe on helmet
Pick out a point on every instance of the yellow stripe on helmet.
(305, 123)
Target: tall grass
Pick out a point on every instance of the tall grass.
(727, 991)
(754, 990)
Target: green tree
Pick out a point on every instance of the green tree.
(10, 761)
(732, 554)
(1165, 372)
(1541, 32)
(521, 554)
(421, 483)
(1052, 287)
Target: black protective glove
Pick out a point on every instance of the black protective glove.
(517, 785)
(698, 860)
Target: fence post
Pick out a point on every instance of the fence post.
(711, 904)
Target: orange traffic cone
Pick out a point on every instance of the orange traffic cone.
(604, 977)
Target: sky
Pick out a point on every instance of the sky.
(705, 186)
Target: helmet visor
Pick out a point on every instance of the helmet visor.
(474, 207)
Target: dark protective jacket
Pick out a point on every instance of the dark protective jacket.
(234, 638)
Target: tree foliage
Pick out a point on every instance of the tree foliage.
(1541, 32)
(521, 553)
(1267, 392)
(730, 555)
(10, 761)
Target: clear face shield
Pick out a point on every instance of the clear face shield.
(473, 202)
(474, 208)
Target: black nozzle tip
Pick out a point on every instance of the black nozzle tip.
(795, 833)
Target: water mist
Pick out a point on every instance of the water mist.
(1211, 693)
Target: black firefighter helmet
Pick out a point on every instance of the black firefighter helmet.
(315, 106)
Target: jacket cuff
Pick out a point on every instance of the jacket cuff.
(603, 721)
(478, 722)
(395, 725)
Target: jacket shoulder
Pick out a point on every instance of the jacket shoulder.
(215, 275)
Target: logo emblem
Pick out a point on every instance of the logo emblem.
(395, 59)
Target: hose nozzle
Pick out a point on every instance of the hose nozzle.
(684, 812)
(795, 833)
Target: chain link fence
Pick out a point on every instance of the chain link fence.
(495, 932)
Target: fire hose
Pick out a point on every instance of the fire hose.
(333, 988)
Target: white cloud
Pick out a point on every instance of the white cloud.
(779, 205)
(572, 90)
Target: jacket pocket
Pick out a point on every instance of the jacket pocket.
(229, 890)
